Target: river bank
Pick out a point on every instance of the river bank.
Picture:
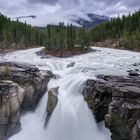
(113, 43)
(3, 51)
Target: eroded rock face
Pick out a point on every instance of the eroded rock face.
(29, 78)
(98, 96)
(26, 86)
(117, 99)
(136, 131)
(122, 117)
(11, 98)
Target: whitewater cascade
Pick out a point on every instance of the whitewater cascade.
(71, 119)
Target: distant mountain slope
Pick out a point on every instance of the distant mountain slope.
(26, 17)
(90, 20)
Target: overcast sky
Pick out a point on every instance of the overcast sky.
(53, 11)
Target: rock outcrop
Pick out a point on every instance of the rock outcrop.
(116, 99)
(29, 78)
(98, 96)
(11, 98)
(52, 102)
(21, 87)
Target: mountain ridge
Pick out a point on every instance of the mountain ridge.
(90, 20)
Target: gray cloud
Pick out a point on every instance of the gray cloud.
(52, 2)
(53, 11)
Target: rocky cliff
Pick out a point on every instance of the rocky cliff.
(116, 99)
(21, 87)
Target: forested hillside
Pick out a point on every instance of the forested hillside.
(125, 29)
(14, 34)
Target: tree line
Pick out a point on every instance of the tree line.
(17, 34)
(126, 29)
(54, 37)
(62, 37)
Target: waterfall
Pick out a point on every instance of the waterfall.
(71, 119)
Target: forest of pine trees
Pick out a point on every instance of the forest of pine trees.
(125, 29)
(14, 34)
(54, 37)
(66, 38)
(61, 37)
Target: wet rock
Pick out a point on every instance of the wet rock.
(93, 50)
(117, 100)
(11, 98)
(72, 64)
(98, 96)
(133, 73)
(43, 54)
(136, 64)
(51, 75)
(137, 70)
(122, 117)
(52, 100)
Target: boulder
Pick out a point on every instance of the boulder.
(133, 73)
(72, 64)
(43, 54)
(52, 100)
(11, 98)
(116, 99)
(136, 64)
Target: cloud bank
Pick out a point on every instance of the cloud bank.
(53, 11)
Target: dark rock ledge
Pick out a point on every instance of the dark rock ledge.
(21, 87)
(116, 99)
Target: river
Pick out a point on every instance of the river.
(71, 119)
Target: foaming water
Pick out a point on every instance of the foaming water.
(71, 119)
(75, 119)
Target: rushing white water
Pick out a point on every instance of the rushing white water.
(71, 119)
